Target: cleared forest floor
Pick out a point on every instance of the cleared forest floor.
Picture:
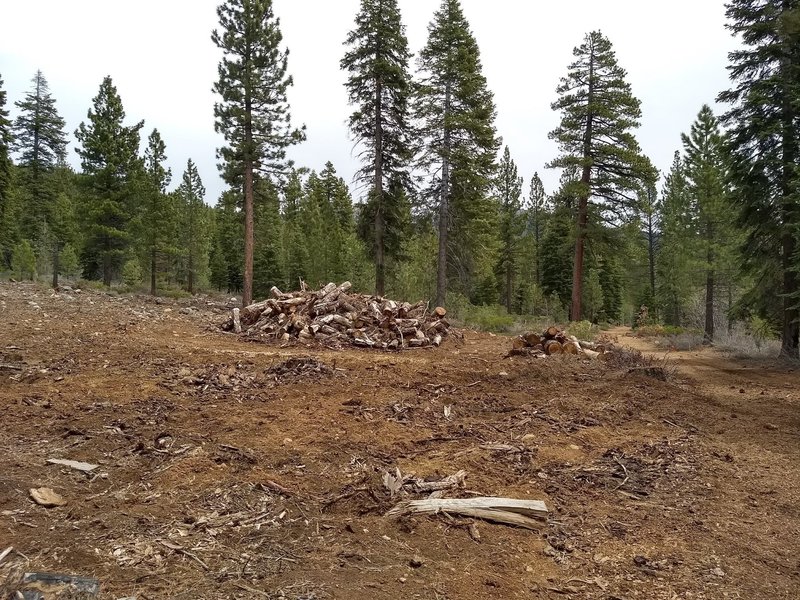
(688, 488)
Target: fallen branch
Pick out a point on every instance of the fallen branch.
(509, 511)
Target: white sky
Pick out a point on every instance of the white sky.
(161, 58)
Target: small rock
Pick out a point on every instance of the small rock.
(503, 374)
(771, 426)
(402, 580)
(416, 562)
(717, 572)
(46, 497)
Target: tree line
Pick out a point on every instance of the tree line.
(443, 212)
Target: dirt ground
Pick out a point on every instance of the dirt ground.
(225, 474)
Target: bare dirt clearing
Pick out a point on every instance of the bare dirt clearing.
(229, 469)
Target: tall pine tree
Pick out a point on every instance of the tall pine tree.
(705, 174)
(253, 114)
(673, 262)
(41, 141)
(5, 182)
(193, 230)
(379, 86)
(109, 157)
(508, 188)
(156, 218)
(457, 113)
(598, 116)
(764, 143)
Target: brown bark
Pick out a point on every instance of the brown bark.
(444, 208)
(56, 266)
(583, 202)
(153, 271)
(380, 259)
(247, 292)
(708, 336)
(553, 347)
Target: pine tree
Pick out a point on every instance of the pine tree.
(537, 210)
(379, 86)
(6, 228)
(23, 261)
(673, 259)
(599, 113)
(763, 141)
(457, 113)
(296, 258)
(229, 240)
(41, 141)
(156, 220)
(61, 217)
(650, 217)
(253, 114)
(508, 188)
(267, 263)
(110, 162)
(193, 231)
(705, 175)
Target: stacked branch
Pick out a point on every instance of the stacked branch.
(334, 316)
(553, 341)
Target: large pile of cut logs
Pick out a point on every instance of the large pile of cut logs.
(553, 341)
(334, 316)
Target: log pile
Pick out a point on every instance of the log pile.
(553, 341)
(334, 316)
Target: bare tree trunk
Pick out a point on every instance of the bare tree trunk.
(790, 331)
(106, 265)
(380, 258)
(708, 336)
(55, 266)
(509, 286)
(583, 203)
(190, 282)
(247, 292)
(153, 271)
(444, 208)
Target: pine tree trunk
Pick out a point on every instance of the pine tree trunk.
(708, 336)
(444, 208)
(509, 286)
(790, 332)
(651, 250)
(583, 203)
(190, 282)
(106, 264)
(55, 266)
(537, 274)
(153, 271)
(380, 261)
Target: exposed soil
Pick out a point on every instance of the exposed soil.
(227, 472)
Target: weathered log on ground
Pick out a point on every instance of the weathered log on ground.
(553, 341)
(553, 347)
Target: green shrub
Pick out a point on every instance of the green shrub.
(68, 261)
(132, 273)
(583, 330)
(23, 261)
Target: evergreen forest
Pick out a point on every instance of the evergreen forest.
(438, 209)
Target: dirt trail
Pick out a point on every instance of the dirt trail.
(688, 488)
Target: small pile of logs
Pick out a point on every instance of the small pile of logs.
(553, 341)
(334, 316)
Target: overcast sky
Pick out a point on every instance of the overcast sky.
(161, 58)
